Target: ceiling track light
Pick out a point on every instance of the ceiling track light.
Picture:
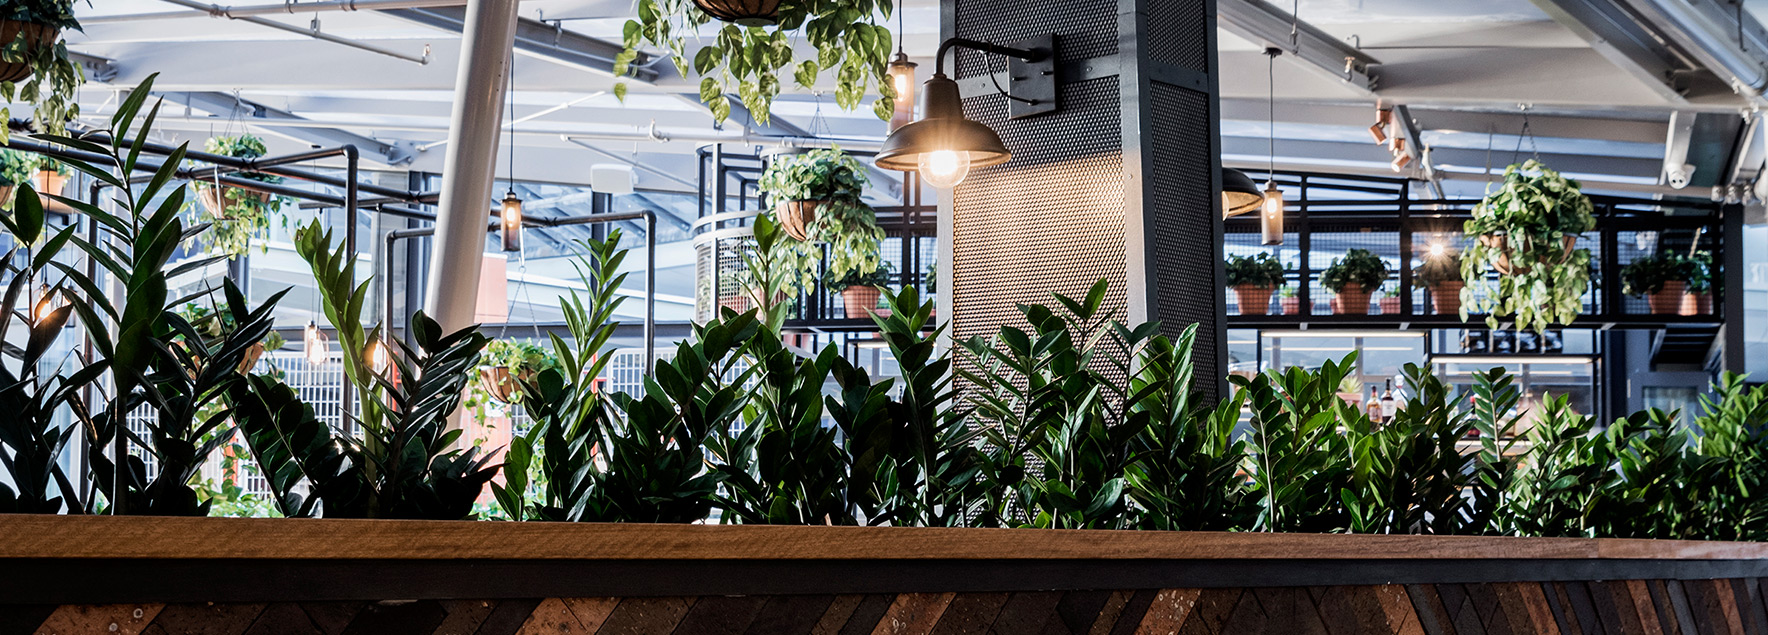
(944, 145)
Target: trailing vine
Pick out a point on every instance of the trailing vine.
(1526, 230)
(238, 215)
(54, 75)
(843, 220)
(845, 34)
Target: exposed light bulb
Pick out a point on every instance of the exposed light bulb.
(902, 84)
(46, 303)
(377, 357)
(314, 344)
(511, 219)
(944, 169)
(1438, 250)
(1271, 215)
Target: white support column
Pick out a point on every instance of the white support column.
(468, 167)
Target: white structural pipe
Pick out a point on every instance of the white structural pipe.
(471, 161)
(795, 143)
(281, 8)
(319, 35)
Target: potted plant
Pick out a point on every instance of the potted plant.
(34, 63)
(1287, 301)
(841, 36)
(1390, 300)
(236, 215)
(860, 291)
(1662, 279)
(800, 183)
(1253, 278)
(510, 365)
(1442, 277)
(1352, 278)
(1527, 232)
(16, 168)
(845, 223)
(50, 177)
(1701, 281)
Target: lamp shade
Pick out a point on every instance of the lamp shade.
(1240, 195)
(943, 140)
(742, 12)
(902, 78)
(511, 219)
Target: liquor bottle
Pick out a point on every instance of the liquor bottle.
(1387, 403)
(1372, 406)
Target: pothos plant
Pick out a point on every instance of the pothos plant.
(54, 75)
(236, 215)
(843, 220)
(845, 34)
(1527, 228)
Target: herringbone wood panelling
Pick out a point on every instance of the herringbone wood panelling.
(1652, 607)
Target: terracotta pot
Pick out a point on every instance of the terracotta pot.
(1253, 299)
(1351, 301)
(860, 301)
(1289, 306)
(1496, 241)
(212, 201)
(501, 384)
(1696, 304)
(1390, 305)
(36, 36)
(1668, 301)
(796, 217)
(6, 194)
(251, 358)
(1445, 298)
(49, 182)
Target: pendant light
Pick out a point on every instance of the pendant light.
(1240, 195)
(944, 145)
(510, 216)
(1271, 216)
(313, 343)
(902, 78)
(377, 357)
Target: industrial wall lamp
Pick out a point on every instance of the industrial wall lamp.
(944, 145)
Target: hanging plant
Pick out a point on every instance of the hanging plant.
(1527, 233)
(16, 168)
(797, 184)
(236, 216)
(509, 365)
(34, 63)
(752, 55)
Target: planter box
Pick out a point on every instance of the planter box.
(134, 575)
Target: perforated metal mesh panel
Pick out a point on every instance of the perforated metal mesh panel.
(1083, 28)
(718, 267)
(1174, 29)
(1050, 220)
(1180, 212)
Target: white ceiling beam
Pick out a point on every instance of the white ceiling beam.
(1709, 31)
(1613, 34)
(1259, 21)
(551, 42)
(232, 109)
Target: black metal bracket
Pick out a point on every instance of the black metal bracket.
(1031, 72)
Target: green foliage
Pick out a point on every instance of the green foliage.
(1701, 276)
(1524, 223)
(827, 175)
(1732, 434)
(1409, 475)
(55, 77)
(880, 278)
(844, 33)
(343, 298)
(1438, 270)
(1299, 466)
(1359, 267)
(237, 215)
(405, 467)
(1187, 476)
(1647, 275)
(16, 167)
(843, 220)
(1260, 270)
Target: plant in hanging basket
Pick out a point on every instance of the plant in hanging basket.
(1528, 230)
(510, 366)
(798, 184)
(850, 229)
(1441, 275)
(1352, 278)
(16, 168)
(34, 63)
(860, 291)
(1253, 278)
(235, 215)
(1661, 279)
(748, 57)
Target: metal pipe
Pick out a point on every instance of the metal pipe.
(469, 165)
(317, 34)
(281, 8)
(268, 165)
(795, 143)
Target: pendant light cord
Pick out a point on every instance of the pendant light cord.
(512, 117)
(1271, 82)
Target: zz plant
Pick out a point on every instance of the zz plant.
(1527, 229)
(845, 35)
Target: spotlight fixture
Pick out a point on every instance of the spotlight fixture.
(314, 344)
(511, 220)
(1378, 130)
(1271, 217)
(1400, 162)
(944, 145)
(1240, 195)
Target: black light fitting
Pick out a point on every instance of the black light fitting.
(1240, 194)
(944, 145)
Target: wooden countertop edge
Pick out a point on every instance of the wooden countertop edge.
(105, 537)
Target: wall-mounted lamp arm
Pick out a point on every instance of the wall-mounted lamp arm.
(1027, 54)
